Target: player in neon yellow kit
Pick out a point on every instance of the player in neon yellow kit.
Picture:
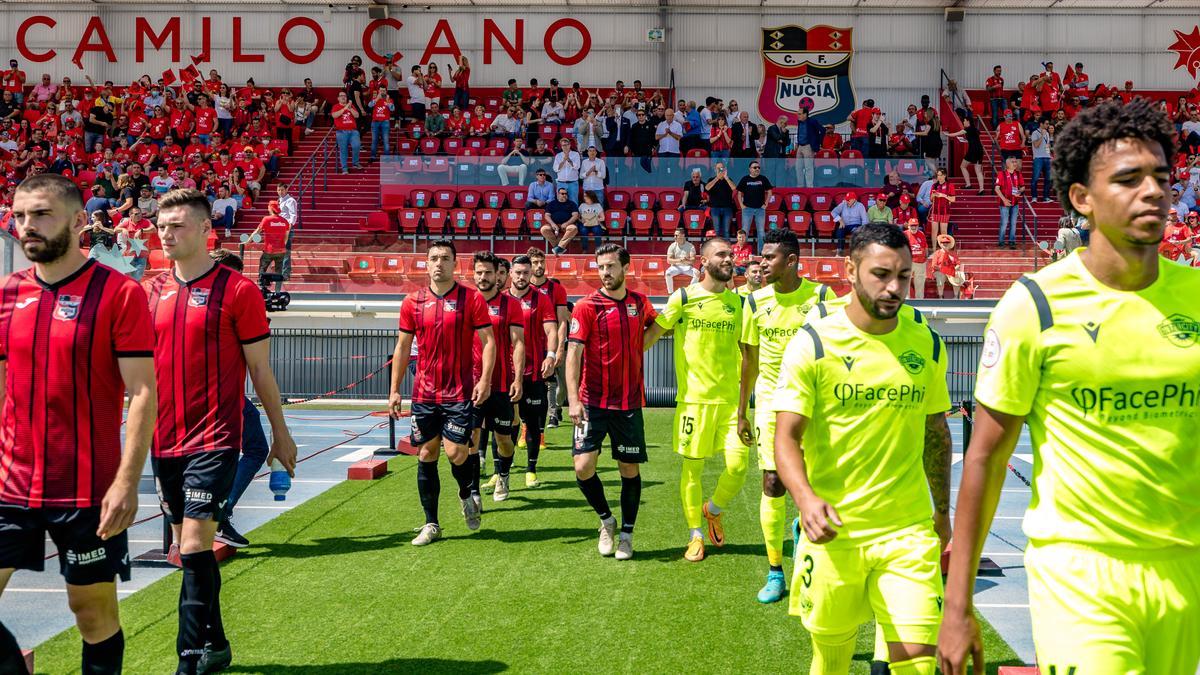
(861, 443)
(707, 320)
(1100, 354)
(771, 317)
(754, 278)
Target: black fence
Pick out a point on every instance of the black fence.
(323, 362)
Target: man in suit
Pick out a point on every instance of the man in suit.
(745, 133)
(775, 149)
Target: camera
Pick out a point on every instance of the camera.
(276, 301)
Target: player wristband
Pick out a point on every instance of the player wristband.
(551, 355)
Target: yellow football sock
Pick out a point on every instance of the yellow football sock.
(881, 648)
(737, 462)
(832, 656)
(772, 512)
(691, 492)
(922, 665)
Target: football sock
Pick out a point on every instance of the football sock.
(880, 668)
(881, 655)
(497, 461)
(832, 656)
(694, 532)
(216, 626)
(593, 491)
(691, 492)
(11, 660)
(462, 474)
(505, 464)
(481, 449)
(737, 462)
(772, 512)
(475, 463)
(533, 443)
(104, 657)
(195, 607)
(631, 499)
(922, 665)
(429, 487)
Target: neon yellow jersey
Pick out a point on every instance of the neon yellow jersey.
(745, 290)
(769, 321)
(828, 307)
(866, 398)
(708, 362)
(1109, 383)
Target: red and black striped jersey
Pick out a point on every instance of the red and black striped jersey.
(444, 329)
(611, 331)
(539, 311)
(200, 328)
(552, 288)
(504, 311)
(60, 436)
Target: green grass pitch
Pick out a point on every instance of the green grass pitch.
(333, 587)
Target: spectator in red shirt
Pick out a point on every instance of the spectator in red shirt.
(919, 248)
(345, 123)
(1177, 239)
(945, 266)
(1011, 137)
(1049, 87)
(606, 393)
(14, 81)
(743, 253)
(274, 230)
(381, 115)
(455, 126)
(462, 83)
(135, 228)
(904, 212)
(1010, 186)
(480, 125)
(860, 120)
(995, 90)
(942, 195)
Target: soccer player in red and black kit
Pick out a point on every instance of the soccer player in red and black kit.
(444, 318)
(211, 328)
(605, 352)
(496, 413)
(74, 337)
(541, 331)
(554, 290)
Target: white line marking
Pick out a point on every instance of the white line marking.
(1008, 517)
(1016, 490)
(311, 481)
(240, 506)
(55, 590)
(361, 452)
(1003, 554)
(1024, 457)
(1001, 606)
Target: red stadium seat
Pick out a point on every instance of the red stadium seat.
(829, 269)
(494, 199)
(468, 199)
(669, 221)
(517, 197)
(392, 201)
(820, 201)
(444, 198)
(476, 143)
(435, 220)
(696, 152)
(452, 145)
(431, 145)
(533, 220)
(670, 199)
(362, 268)
(411, 165)
(694, 221)
(644, 199)
(642, 221)
(824, 223)
(799, 222)
(416, 267)
(409, 219)
(421, 198)
(618, 199)
(776, 220)
(794, 200)
(564, 268)
(390, 268)
(499, 143)
(461, 219)
(775, 203)
(614, 221)
(650, 266)
(548, 132)
(438, 165)
(591, 269)
(511, 220)
(487, 220)
(909, 169)
(405, 146)
(377, 221)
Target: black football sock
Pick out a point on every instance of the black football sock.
(11, 660)
(593, 490)
(505, 465)
(631, 499)
(195, 607)
(475, 463)
(429, 487)
(462, 474)
(104, 657)
(533, 444)
(484, 435)
(216, 626)
(496, 453)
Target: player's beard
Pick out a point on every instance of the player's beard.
(485, 286)
(519, 284)
(614, 282)
(50, 249)
(722, 272)
(873, 309)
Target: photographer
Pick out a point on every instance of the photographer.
(274, 229)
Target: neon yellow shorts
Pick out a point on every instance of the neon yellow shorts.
(764, 438)
(702, 429)
(1095, 614)
(898, 579)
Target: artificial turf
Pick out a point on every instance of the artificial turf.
(333, 587)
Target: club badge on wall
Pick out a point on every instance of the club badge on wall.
(806, 69)
(1187, 47)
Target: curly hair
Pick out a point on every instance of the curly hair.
(1096, 127)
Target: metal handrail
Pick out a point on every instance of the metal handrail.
(316, 166)
(1031, 235)
(960, 98)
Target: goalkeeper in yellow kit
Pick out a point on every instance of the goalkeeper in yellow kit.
(1100, 354)
(861, 442)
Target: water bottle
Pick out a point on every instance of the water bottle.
(281, 482)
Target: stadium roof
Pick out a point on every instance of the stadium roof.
(1059, 5)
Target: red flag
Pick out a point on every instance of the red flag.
(1069, 76)
(168, 77)
(189, 74)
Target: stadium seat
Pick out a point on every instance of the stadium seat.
(461, 220)
(443, 198)
(614, 222)
(409, 219)
(827, 168)
(452, 145)
(431, 145)
(670, 199)
(854, 174)
(411, 165)
(775, 203)
(511, 221)
(476, 143)
(494, 199)
(909, 169)
(376, 223)
(821, 201)
(642, 221)
(694, 221)
(650, 267)
(799, 222)
(804, 267)
(435, 220)
(466, 169)
(416, 268)
(618, 199)
(517, 197)
(468, 199)
(794, 200)
(824, 224)
(564, 268)
(491, 102)
(776, 220)
(533, 220)
(362, 268)
(668, 221)
(499, 143)
(404, 146)
(591, 269)
(644, 199)
(391, 201)
(548, 132)
(390, 268)
(829, 270)
(696, 153)
(438, 165)
(487, 220)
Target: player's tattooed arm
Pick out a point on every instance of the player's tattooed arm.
(938, 446)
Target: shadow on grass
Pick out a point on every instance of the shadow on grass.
(328, 546)
(415, 665)
(571, 535)
(992, 667)
(673, 554)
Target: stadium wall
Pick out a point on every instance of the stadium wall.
(713, 51)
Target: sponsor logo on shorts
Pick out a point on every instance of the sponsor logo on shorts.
(456, 428)
(194, 495)
(629, 450)
(86, 557)
(533, 401)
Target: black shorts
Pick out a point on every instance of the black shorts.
(83, 558)
(624, 428)
(533, 404)
(195, 486)
(495, 415)
(449, 421)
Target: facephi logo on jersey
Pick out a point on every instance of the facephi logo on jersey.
(198, 297)
(848, 393)
(68, 307)
(1108, 400)
(806, 69)
(912, 361)
(1181, 331)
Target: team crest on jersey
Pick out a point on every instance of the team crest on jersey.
(728, 309)
(631, 310)
(198, 297)
(1181, 331)
(68, 307)
(450, 305)
(912, 362)
(493, 310)
(806, 69)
